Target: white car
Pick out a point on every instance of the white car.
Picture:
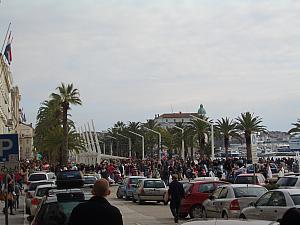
(272, 205)
(41, 175)
(227, 201)
(230, 222)
(40, 192)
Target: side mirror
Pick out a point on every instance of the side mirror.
(30, 218)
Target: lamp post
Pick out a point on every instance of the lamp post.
(143, 142)
(111, 143)
(182, 140)
(159, 141)
(129, 142)
(212, 135)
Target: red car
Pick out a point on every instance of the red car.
(195, 194)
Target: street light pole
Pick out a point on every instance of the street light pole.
(159, 141)
(129, 142)
(182, 140)
(212, 135)
(143, 143)
(111, 144)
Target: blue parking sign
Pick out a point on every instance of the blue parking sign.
(9, 147)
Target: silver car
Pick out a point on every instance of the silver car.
(150, 190)
(227, 201)
(272, 205)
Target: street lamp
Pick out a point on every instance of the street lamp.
(159, 141)
(129, 142)
(111, 143)
(143, 143)
(182, 140)
(212, 135)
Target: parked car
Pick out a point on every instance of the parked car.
(56, 208)
(127, 187)
(150, 189)
(250, 178)
(41, 175)
(272, 205)
(40, 192)
(227, 201)
(30, 191)
(195, 194)
(230, 222)
(290, 181)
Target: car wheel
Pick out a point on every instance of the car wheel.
(133, 199)
(140, 201)
(242, 216)
(126, 197)
(196, 212)
(225, 216)
(204, 213)
(119, 196)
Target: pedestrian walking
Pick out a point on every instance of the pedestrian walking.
(97, 210)
(176, 194)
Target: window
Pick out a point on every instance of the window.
(223, 193)
(277, 199)
(249, 191)
(287, 181)
(263, 201)
(154, 184)
(37, 177)
(296, 199)
(217, 192)
(206, 188)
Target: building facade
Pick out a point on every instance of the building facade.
(26, 132)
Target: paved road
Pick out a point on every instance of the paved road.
(133, 214)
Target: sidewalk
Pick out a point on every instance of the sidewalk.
(19, 218)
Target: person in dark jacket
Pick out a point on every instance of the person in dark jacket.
(176, 193)
(97, 210)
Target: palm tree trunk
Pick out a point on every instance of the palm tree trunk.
(65, 152)
(248, 144)
(226, 145)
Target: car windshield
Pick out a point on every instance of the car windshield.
(33, 186)
(154, 184)
(57, 213)
(134, 180)
(37, 177)
(186, 187)
(249, 191)
(43, 191)
(287, 181)
(245, 180)
(296, 199)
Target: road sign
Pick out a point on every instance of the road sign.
(9, 148)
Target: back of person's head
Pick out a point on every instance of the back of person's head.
(291, 217)
(101, 188)
(174, 177)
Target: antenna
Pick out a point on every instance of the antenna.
(172, 108)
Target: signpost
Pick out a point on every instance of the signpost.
(9, 161)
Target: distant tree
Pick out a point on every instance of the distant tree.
(227, 128)
(248, 123)
(295, 129)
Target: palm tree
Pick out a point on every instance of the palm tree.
(227, 128)
(67, 95)
(295, 129)
(248, 123)
(201, 130)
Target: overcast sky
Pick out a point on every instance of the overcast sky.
(132, 59)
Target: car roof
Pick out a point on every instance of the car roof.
(248, 174)
(41, 181)
(52, 197)
(135, 177)
(146, 179)
(291, 191)
(229, 222)
(241, 185)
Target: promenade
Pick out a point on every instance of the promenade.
(19, 218)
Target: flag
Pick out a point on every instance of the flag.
(7, 53)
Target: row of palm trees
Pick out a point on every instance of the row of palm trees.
(196, 133)
(55, 133)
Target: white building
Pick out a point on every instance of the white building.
(25, 141)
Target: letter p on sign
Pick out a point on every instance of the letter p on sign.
(5, 144)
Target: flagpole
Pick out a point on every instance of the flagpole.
(5, 37)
